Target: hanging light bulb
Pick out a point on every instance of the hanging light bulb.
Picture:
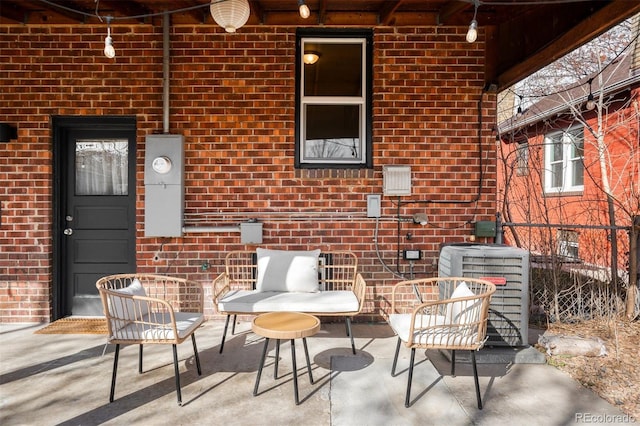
(109, 50)
(519, 112)
(303, 9)
(472, 33)
(591, 103)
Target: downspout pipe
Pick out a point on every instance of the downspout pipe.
(165, 72)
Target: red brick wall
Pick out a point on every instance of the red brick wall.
(232, 97)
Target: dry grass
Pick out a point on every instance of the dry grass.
(616, 376)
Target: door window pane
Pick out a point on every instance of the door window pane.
(101, 167)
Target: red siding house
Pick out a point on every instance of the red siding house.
(576, 168)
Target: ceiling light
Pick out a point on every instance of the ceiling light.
(109, 51)
(310, 58)
(230, 14)
(304, 9)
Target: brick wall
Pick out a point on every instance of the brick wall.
(232, 97)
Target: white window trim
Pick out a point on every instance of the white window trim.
(567, 163)
(361, 101)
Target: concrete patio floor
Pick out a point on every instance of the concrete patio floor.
(65, 380)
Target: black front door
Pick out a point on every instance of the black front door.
(94, 208)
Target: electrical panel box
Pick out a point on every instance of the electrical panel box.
(485, 228)
(164, 186)
(508, 268)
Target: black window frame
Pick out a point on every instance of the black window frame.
(366, 34)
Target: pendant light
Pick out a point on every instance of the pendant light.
(109, 50)
(472, 33)
(230, 14)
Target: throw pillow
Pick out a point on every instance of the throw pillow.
(284, 270)
(124, 308)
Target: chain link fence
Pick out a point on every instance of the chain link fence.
(572, 278)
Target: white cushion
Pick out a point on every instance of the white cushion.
(186, 323)
(252, 301)
(126, 308)
(284, 270)
(430, 330)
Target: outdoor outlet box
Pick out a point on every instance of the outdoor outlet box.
(373, 205)
(251, 233)
(485, 228)
(412, 255)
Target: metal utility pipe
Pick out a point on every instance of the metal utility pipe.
(165, 72)
(197, 229)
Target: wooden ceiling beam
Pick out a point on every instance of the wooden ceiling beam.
(591, 26)
(322, 12)
(451, 9)
(387, 11)
(202, 13)
(15, 13)
(126, 9)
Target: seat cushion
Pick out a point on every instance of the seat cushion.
(430, 330)
(151, 328)
(285, 270)
(251, 301)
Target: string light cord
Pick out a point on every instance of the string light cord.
(119, 18)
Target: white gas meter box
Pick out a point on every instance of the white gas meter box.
(164, 186)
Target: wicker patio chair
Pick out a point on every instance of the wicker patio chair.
(440, 313)
(151, 309)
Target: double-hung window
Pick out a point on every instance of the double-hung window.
(564, 166)
(333, 99)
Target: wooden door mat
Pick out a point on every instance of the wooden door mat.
(72, 325)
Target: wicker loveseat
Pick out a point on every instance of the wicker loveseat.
(314, 282)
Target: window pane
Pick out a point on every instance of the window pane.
(101, 167)
(338, 71)
(556, 175)
(333, 131)
(523, 159)
(557, 150)
(578, 173)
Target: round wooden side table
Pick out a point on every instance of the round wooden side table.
(285, 325)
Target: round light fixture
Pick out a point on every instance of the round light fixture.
(310, 58)
(230, 14)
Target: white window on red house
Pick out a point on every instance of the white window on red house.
(568, 244)
(333, 99)
(522, 156)
(563, 161)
